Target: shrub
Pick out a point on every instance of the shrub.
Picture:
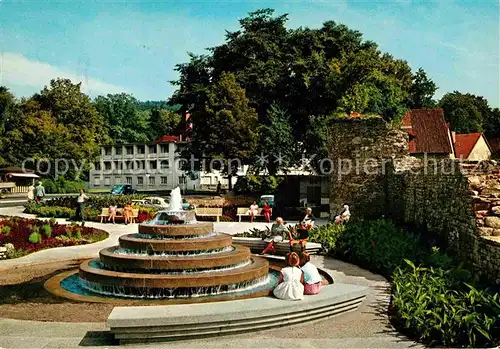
(52, 221)
(13, 253)
(327, 236)
(62, 186)
(47, 230)
(434, 305)
(78, 234)
(6, 230)
(35, 238)
(377, 245)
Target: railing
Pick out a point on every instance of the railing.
(20, 189)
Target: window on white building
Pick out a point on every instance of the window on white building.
(129, 180)
(164, 165)
(130, 150)
(152, 149)
(151, 180)
(140, 180)
(107, 180)
(164, 148)
(153, 165)
(141, 149)
(118, 150)
(107, 166)
(164, 180)
(97, 181)
(107, 151)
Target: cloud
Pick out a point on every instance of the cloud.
(19, 71)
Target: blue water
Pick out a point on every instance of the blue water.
(74, 285)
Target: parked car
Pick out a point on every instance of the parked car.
(268, 198)
(122, 189)
(156, 202)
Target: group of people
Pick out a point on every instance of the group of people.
(36, 193)
(127, 213)
(300, 277)
(267, 211)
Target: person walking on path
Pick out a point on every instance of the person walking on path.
(39, 192)
(80, 208)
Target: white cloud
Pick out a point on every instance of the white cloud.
(16, 70)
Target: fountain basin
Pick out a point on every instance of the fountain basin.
(256, 270)
(132, 242)
(177, 230)
(238, 255)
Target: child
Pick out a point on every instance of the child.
(312, 278)
(290, 286)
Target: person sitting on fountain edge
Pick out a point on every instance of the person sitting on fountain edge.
(305, 225)
(277, 231)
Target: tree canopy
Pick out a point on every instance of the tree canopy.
(310, 73)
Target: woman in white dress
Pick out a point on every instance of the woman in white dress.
(291, 284)
(253, 211)
(344, 216)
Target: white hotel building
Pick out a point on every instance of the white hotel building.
(149, 167)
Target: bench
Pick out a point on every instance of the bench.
(119, 214)
(209, 212)
(243, 212)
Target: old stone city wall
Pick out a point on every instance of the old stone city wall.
(458, 203)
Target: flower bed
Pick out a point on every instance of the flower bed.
(23, 236)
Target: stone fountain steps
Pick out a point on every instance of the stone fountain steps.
(164, 323)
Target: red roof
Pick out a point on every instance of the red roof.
(464, 143)
(167, 139)
(428, 132)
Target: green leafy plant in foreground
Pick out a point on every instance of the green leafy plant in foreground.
(35, 238)
(437, 307)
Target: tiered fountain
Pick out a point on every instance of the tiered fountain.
(173, 256)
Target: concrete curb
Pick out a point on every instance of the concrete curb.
(166, 323)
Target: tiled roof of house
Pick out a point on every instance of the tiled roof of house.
(166, 139)
(428, 132)
(464, 143)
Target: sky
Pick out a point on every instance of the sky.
(133, 46)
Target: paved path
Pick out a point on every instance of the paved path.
(368, 327)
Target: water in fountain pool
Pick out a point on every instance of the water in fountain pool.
(74, 284)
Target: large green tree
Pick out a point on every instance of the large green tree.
(422, 91)
(125, 123)
(311, 73)
(277, 145)
(10, 127)
(163, 122)
(466, 112)
(226, 127)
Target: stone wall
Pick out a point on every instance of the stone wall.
(459, 204)
(359, 150)
(439, 198)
